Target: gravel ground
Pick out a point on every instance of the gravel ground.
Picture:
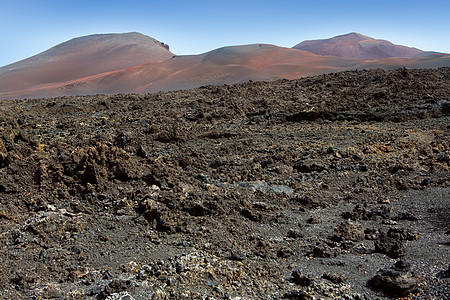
(328, 187)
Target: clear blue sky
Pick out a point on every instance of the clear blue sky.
(28, 27)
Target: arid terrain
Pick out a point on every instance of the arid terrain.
(135, 63)
(328, 187)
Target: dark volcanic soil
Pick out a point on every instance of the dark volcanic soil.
(304, 189)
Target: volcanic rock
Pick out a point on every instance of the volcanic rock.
(348, 231)
(395, 281)
(390, 244)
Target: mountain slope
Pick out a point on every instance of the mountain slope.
(358, 46)
(82, 57)
(134, 63)
(221, 66)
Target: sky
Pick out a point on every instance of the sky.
(28, 27)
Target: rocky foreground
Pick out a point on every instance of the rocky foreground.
(328, 187)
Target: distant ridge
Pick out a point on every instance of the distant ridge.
(136, 63)
(356, 45)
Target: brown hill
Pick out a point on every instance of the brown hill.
(81, 57)
(359, 46)
(126, 66)
(221, 66)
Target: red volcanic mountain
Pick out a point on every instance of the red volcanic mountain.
(225, 65)
(80, 57)
(358, 46)
(134, 63)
